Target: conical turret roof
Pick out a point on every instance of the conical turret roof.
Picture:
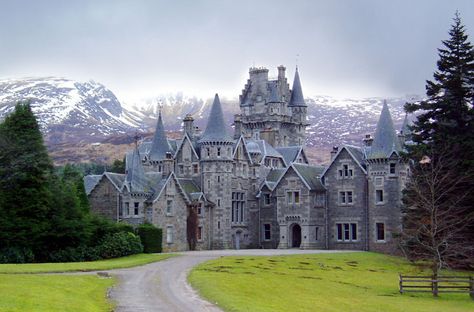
(135, 179)
(160, 145)
(216, 129)
(385, 140)
(405, 130)
(297, 98)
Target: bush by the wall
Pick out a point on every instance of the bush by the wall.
(151, 238)
(119, 244)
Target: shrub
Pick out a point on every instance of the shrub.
(16, 255)
(151, 238)
(119, 244)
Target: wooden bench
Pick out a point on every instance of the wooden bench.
(436, 285)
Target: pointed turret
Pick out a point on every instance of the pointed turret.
(160, 145)
(385, 140)
(216, 130)
(135, 179)
(297, 98)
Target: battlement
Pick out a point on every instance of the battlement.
(258, 70)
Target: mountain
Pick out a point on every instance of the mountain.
(84, 121)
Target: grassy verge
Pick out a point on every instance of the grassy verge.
(324, 282)
(124, 262)
(36, 292)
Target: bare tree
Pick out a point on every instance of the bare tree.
(436, 215)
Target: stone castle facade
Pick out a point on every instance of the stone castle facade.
(256, 188)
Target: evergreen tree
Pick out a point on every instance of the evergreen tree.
(25, 181)
(444, 130)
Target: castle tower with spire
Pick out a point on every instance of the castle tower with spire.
(271, 111)
(216, 156)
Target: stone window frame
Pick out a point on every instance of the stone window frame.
(378, 182)
(378, 197)
(376, 234)
(292, 195)
(349, 228)
(195, 168)
(238, 207)
(169, 206)
(345, 171)
(316, 233)
(392, 165)
(181, 169)
(199, 209)
(199, 234)
(344, 194)
(127, 209)
(169, 234)
(267, 231)
(267, 201)
(218, 153)
(136, 209)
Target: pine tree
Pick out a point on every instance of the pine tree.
(444, 131)
(25, 179)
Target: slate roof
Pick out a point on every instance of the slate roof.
(135, 179)
(216, 128)
(311, 175)
(385, 139)
(160, 144)
(405, 130)
(191, 189)
(358, 153)
(267, 149)
(90, 181)
(289, 153)
(297, 98)
(273, 177)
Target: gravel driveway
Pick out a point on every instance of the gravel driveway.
(162, 286)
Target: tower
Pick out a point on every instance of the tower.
(386, 174)
(160, 156)
(216, 170)
(270, 110)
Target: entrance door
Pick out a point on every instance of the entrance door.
(237, 240)
(296, 236)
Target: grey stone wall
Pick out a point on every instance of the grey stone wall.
(104, 199)
(355, 212)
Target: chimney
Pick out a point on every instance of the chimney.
(237, 126)
(188, 125)
(368, 140)
(334, 151)
(281, 72)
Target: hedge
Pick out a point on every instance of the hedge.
(151, 237)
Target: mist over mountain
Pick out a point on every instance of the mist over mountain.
(73, 115)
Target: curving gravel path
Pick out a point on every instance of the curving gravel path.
(162, 286)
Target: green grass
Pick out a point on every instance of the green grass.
(37, 292)
(323, 282)
(124, 262)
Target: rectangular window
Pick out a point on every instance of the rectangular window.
(127, 208)
(218, 179)
(378, 181)
(293, 197)
(199, 233)
(319, 199)
(195, 168)
(392, 168)
(266, 199)
(238, 204)
(380, 231)
(181, 169)
(345, 197)
(267, 232)
(346, 232)
(199, 209)
(218, 203)
(379, 196)
(208, 150)
(135, 208)
(169, 206)
(316, 233)
(218, 152)
(169, 235)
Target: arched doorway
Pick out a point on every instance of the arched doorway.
(295, 236)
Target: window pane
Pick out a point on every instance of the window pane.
(349, 197)
(339, 231)
(297, 197)
(346, 231)
(380, 231)
(354, 231)
(316, 233)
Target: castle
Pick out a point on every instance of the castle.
(255, 188)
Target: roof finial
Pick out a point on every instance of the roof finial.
(296, 61)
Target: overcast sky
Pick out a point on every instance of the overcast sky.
(140, 48)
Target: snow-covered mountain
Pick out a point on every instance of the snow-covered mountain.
(72, 112)
(69, 110)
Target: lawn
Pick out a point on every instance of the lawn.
(22, 291)
(322, 282)
(38, 292)
(109, 264)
